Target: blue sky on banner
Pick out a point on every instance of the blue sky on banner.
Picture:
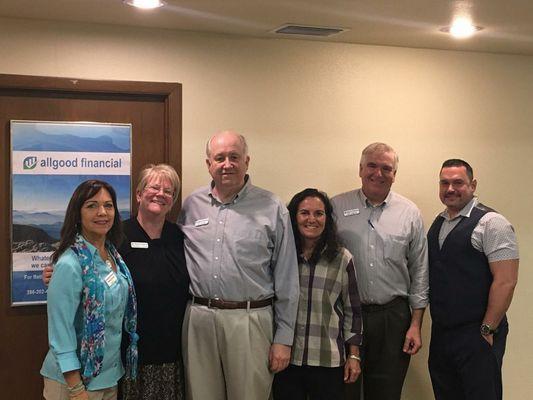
(51, 193)
(71, 137)
(58, 189)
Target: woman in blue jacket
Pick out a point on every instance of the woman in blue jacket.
(90, 301)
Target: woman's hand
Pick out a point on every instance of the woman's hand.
(352, 370)
(83, 395)
(77, 390)
(47, 274)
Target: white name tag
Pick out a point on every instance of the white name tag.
(353, 211)
(139, 245)
(201, 222)
(110, 279)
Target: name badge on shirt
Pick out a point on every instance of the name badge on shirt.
(201, 222)
(353, 211)
(110, 279)
(139, 245)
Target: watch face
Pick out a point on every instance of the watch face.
(485, 329)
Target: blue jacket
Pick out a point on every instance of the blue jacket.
(65, 321)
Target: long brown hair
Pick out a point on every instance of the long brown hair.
(72, 223)
(328, 241)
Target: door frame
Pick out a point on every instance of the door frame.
(26, 379)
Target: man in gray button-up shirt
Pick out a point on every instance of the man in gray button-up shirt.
(240, 249)
(385, 233)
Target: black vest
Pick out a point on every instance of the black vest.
(459, 275)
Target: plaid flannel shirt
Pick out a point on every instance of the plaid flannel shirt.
(329, 312)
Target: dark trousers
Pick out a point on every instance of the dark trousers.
(464, 366)
(313, 383)
(384, 364)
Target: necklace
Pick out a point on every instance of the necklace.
(108, 260)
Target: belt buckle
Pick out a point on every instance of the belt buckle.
(210, 300)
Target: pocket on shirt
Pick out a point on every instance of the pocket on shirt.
(252, 245)
(198, 237)
(396, 248)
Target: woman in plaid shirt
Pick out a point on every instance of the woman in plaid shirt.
(325, 351)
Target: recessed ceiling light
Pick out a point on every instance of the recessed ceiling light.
(145, 4)
(461, 28)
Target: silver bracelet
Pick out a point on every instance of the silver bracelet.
(354, 357)
(76, 389)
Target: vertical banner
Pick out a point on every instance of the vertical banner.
(48, 161)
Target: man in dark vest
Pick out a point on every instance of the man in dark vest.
(473, 270)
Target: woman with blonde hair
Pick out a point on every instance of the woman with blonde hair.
(153, 250)
(154, 253)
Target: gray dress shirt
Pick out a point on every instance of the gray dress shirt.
(389, 247)
(243, 250)
(493, 235)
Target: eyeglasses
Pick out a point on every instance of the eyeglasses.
(156, 189)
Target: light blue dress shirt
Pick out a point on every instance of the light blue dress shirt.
(389, 246)
(66, 319)
(243, 250)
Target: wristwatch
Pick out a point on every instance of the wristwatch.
(487, 330)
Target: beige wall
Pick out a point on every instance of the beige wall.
(308, 109)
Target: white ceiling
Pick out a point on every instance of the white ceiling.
(508, 24)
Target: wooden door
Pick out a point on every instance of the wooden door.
(153, 109)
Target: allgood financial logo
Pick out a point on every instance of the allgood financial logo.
(70, 163)
(29, 162)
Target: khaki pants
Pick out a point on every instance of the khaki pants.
(225, 353)
(53, 390)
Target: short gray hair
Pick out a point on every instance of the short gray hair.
(379, 147)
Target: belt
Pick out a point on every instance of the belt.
(232, 305)
(378, 307)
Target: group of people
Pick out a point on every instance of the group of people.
(89, 307)
(323, 299)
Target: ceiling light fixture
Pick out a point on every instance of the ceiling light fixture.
(308, 30)
(145, 4)
(462, 26)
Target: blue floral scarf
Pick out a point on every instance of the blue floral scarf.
(93, 338)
